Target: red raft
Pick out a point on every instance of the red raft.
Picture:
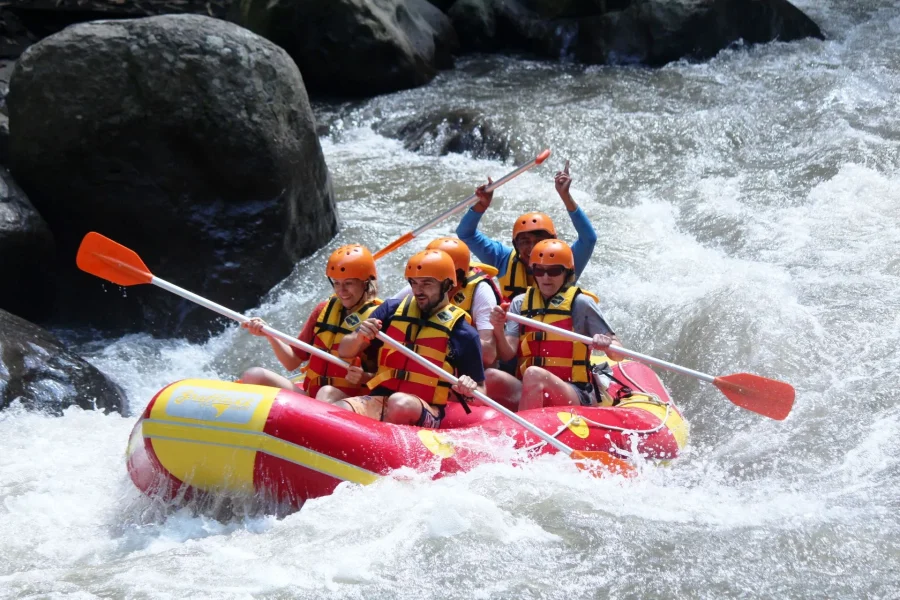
(231, 439)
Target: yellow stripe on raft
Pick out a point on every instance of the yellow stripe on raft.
(207, 434)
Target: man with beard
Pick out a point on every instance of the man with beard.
(403, 391)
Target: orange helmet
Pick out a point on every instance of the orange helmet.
(431, 263)
(534, 221)
(351, 261)
(457, 250)
(552, 252)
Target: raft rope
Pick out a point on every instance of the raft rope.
(578, 419)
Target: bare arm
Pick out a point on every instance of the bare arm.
(355, 343)
(506, 344)
(488, 346)
(562, 181)
(284, 353)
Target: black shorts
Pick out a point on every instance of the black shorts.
(428, 420)
(585, 393)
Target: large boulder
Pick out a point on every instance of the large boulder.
(650, 32)
(186, 138)
(356, 47)
(26, 253)
(36, 369)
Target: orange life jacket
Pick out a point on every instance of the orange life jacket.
(568, 360)
(429, 338)
(516, 279)
(330, 330)
(465, 297)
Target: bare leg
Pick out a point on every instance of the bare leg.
(330, 394)
(542, 388)
(502, 387)
(260, 376)
(342, 404)
(403, 409)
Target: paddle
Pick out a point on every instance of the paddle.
(100, 256)
(768, 397)
(461, 206)
(610, 462)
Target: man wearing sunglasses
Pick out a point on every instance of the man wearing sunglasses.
(553, 370)
(513, 264)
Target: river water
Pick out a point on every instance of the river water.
(748, 211)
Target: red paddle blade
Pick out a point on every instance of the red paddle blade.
(542, 156)
(100, 256)
(400, 241)
(768, 397)
(599, 463)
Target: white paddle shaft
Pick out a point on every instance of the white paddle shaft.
(227, 312)
(452, 380)
(618, 349)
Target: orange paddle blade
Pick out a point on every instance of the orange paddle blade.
(542, 156)
(768, 397)
(600, 463)
(400, 241)
(100, 256)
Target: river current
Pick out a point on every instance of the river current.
(748, 213)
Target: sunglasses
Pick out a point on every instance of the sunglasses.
(552, 271)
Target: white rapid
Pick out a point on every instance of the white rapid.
(748, 211)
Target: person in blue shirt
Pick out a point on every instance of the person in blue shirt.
(513, 263)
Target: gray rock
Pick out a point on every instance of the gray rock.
(460, 131)
(36, 369)
(475, 24)
(356, 47)
(186, 138)
(650, 32)
(442, 5)
(26, 253)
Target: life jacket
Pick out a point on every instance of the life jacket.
(429, 338)
(330, 329)
(516, 279)
(568, 360)
(465, 297)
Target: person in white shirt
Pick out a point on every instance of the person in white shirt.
(476, 293)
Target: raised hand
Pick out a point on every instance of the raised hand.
(484, 196)
(562, 181)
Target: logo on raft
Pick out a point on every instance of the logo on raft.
(204, 404)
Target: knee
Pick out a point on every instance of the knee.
(255, 376)
(341, 404)
(534, 376)
(328, 393)
(402, 408)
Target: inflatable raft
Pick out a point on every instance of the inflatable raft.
(231, 439)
